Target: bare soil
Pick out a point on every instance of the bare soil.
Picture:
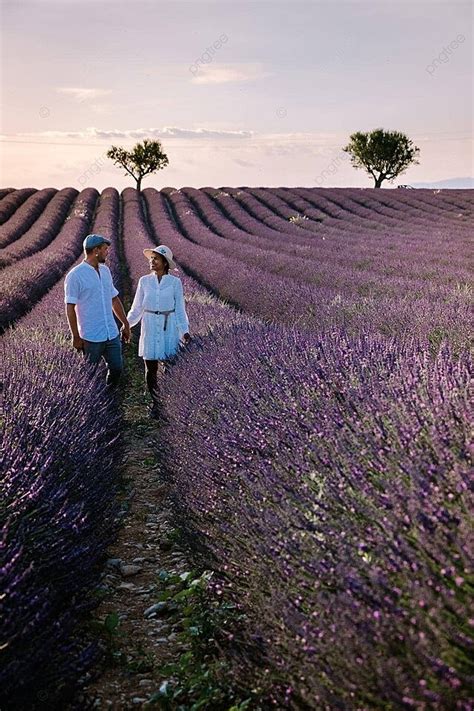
(145, 546)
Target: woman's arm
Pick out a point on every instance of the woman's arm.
(182, 320)
(136, 311)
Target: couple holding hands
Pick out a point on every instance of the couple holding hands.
(92, 300)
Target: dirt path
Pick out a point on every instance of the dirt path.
(142, 643)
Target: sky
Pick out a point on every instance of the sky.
(238, 92)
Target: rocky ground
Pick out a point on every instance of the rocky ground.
(144, 638)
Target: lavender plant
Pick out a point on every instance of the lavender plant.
(25, 215)
(43, 230)
(58, 463)
(5, 191)
(60, 454)
(427, 310)
(328, 481)
(12, 202)
(320, 468)
(26, 282)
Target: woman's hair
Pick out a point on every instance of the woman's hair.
(165, 262)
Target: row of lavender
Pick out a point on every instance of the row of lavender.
(327, 480)
(360, 265)
(25, 215)
(336, 204)
(43, 230)
(5, 191)
(273, 252)
(340, 221)
(241, 275)
(334, 211)
(218, 354)
(59, 462)
(267, 213)
(25, 281)
(341, 212)
(12, 200)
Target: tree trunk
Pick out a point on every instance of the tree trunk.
(379, 180)
(139, 183)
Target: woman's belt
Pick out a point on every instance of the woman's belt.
(159, 313)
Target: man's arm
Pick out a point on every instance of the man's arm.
(119, 311)
(77, 341)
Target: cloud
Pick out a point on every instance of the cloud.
(240, 145)
(244, 163)
(227, 73)
(80, 94)
(139, 133)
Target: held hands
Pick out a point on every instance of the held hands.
(126, 333)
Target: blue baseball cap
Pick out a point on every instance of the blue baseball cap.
(95, 241)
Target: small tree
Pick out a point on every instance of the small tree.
(383, 154)
(143, 159)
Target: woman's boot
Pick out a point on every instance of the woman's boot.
(151, 377)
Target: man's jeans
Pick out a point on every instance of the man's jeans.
(111, 351)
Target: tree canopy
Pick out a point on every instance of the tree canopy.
(383, 154)
(143, 159)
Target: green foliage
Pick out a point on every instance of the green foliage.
(200, 678)
(383, 154)
(143, 159)
(111, 624)
(109, 630)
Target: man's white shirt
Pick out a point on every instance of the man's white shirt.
(92, 293)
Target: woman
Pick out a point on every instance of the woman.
(159, 304)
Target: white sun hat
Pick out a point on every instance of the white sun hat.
(164, 251)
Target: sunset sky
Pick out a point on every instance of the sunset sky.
(271, 105)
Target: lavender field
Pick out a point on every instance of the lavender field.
(317, 433)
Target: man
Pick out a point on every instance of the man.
(91, 300)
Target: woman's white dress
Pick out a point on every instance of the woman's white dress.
(153, 295)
